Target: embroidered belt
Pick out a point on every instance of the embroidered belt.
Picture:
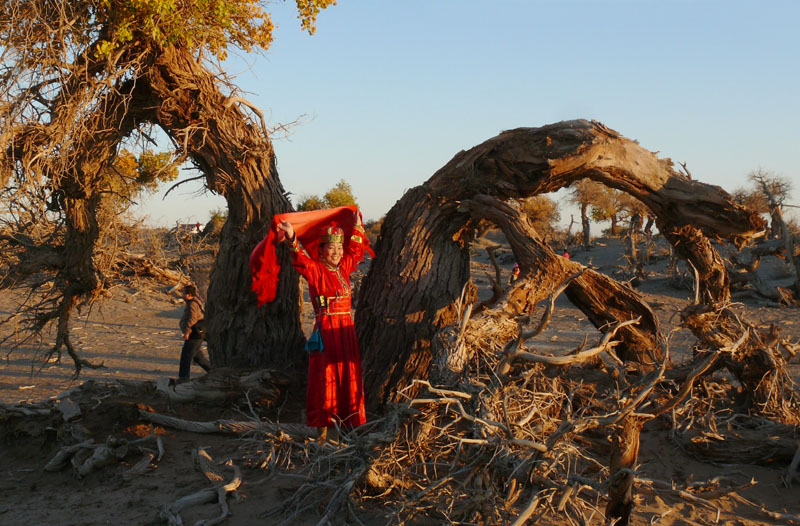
(331, 306)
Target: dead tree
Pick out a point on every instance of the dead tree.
(238, 162)
(74, 86)
(75, 184)
(603, 300)
(768, 187)
(422, 263)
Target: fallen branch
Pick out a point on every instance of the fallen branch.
(605, 344)
(205, 464)
(234, 427)
(791, 471)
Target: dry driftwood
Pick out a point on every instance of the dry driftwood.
(219, 493)
(142, 266)
(87, 457)
(262, 387)
(235, 427)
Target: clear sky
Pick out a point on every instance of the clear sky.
(392, 90)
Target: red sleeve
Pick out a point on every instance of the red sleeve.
(307, 267)
(354, 250)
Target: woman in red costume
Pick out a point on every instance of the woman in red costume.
(335, 395)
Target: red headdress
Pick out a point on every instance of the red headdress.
(309, 227)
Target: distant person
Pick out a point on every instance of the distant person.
(566, 253)
(193, 328)
(514, 274)
(198, 229)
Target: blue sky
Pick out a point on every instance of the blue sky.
(393, 90)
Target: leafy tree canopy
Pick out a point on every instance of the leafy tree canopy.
(310, 202)
(340, 195)
(109, 25)
(542, 212)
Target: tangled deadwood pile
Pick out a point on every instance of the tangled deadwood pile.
(523, 437)
(515, 437)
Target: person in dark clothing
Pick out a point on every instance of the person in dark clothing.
(192, 326)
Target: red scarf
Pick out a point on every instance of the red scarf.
(308, 226)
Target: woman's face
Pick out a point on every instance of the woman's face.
(331, 253)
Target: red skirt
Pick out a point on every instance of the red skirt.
(335, 391)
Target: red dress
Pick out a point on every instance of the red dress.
(335, 389)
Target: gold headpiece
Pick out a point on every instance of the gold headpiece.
(332, 234)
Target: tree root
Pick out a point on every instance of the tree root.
(219, 493)
(88, 457)
(235, 427)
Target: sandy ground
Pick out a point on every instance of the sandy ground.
(134, 333)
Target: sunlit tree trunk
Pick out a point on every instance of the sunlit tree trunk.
(238, 162)
(422, 260)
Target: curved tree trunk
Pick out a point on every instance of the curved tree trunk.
(239, 163)
(758, 363)
(604, 301)
(399, 313)
(422, 260)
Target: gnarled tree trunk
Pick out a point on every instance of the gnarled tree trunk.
(604, 301)
(78, 192)
(239, 163)
(422, 261)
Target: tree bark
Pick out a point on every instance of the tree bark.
(586, 226)
(758, 364)
(624, 456)
(79, 193)
(239, 163)
(422, 261)
(604, 301)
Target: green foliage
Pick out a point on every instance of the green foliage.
(155, 168)
(606, 204)
(542, 212)
(209, 24)
(340, 195)
(108, 26)
(585, 192)
(130, 176)
(310, 202)
(607, 207)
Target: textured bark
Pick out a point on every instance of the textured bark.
(624, 455)
(239, 163)
(79, 274)
(604, 301)
(79, 195)
(406, 298)
(758, 364)
(422, 260)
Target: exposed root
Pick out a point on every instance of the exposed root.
(87, 457)
(219, 493)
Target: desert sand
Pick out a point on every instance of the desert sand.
(134, 333)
